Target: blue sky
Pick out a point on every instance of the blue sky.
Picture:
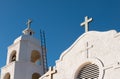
(60, 19)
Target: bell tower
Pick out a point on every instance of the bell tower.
(24, 57)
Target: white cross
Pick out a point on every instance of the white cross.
(87, 50)
(85, 23)
(29, 23)
(50, 72)
(87, 47)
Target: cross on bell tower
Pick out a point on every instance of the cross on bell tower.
(24, 57)
(28, 30)
(29, 23)
(86, 22)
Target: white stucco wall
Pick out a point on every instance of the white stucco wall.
(103, 50)
(23, 67)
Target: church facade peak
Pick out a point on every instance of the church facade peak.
(28, 30)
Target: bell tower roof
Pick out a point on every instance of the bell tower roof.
(27, 33)
(28, 30)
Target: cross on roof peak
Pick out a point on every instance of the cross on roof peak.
(86, 22)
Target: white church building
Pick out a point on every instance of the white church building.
(94, 55)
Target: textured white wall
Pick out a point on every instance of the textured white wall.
(103, 50)
(23, 68)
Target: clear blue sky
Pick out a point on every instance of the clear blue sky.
(60, 19)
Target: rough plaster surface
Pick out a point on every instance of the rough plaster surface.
(100, 48)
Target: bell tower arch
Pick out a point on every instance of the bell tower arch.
(24, 57)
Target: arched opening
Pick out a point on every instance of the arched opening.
(35, 76)
(89, 71)
(7, 76)
(13, 56)
(35, 57)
